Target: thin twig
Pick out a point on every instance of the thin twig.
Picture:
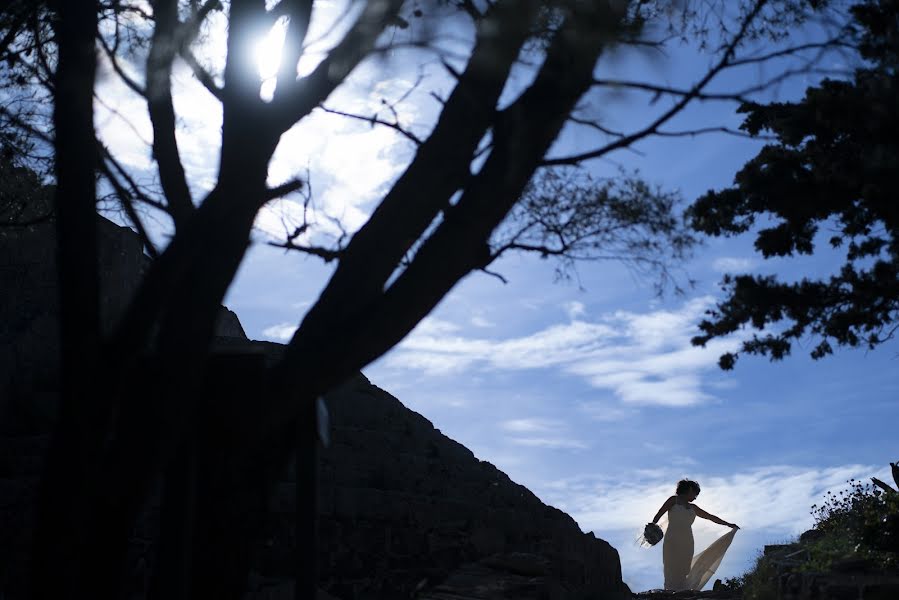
(127, 79)
(376, 121)
(283, 189)
(674, 110)
(324, 253)
(125, 200)
(202, 75)
(494, 274)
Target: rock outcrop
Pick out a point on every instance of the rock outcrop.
(403, 509)
(29, 308)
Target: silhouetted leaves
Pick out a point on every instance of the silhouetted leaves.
(833, 168)
(864, 517)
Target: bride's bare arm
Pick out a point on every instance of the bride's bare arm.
(711, 517)
(668, 504)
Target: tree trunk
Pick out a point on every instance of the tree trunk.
(64, 533)
(171, 577)
(307, 501)
(232, 480)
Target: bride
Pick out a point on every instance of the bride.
(683, 571)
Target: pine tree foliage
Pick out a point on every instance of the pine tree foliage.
(830, 175)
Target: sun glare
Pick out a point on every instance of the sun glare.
(330, 21)
(268, 57)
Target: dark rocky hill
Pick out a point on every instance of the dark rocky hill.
(404, 511)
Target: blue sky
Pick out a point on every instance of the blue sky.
(588, 391)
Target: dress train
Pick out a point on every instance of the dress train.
(683, 571)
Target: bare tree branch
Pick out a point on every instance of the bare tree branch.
(134, 188)
(659, 90)
(705, 130)
(202, 75)
(163, 49)
(374, 120)
(727, 56)
(440, 167)
(126, 200)
(297, 99)
(284, 189)
(835, 42)
(184, 36)
(378, 319)
(15, 25)
(325, 254)
(114, 62)
(499, 276)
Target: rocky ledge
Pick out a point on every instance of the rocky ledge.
(523, 576)
(689, 595)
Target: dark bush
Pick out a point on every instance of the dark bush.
(863, 520)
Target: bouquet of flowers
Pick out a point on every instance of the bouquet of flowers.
(652, 534)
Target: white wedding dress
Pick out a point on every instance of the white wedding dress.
(683, 571)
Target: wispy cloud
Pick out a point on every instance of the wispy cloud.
(432, 326)
(480, 321)
(604, 411)
(575, 309)
(643, 358)
(281, 332)
(530, 425)
(552, 434)
(550, 443)
(730, 264)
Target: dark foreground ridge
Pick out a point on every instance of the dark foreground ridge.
(404, 511)
(688, 595)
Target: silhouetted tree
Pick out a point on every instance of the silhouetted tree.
(829, 177)
(128, 408)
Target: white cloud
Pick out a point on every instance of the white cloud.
(551, 434)
(643, 359)
(531, 425)
(730, 264)
(604, 411)
(433, 326)
(479, 321)
(575, 309)
(281, 331)
(550, 443)
(435, 363)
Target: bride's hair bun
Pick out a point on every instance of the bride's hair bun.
(687, 484)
